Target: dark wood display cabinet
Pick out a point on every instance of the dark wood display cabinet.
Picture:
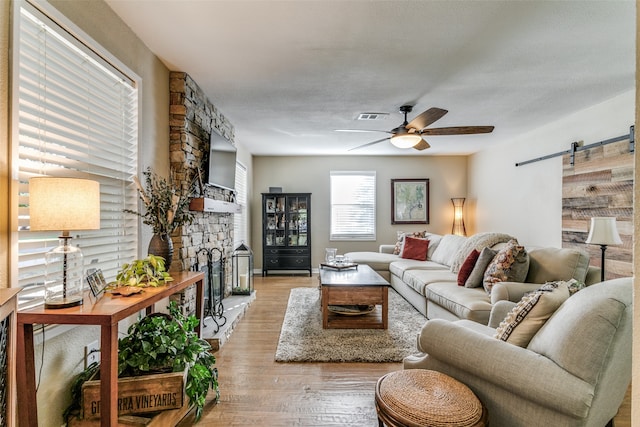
(286, 232)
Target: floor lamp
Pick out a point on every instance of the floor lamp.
(603, 232)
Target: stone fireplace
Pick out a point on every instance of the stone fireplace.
(192, 119)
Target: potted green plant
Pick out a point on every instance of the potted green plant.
(161, 343)
(149, 271)
(166, 208)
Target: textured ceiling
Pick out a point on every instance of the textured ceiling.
(288, 73)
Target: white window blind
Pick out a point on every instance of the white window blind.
(240, 219)
(77, 117)
(353, 205)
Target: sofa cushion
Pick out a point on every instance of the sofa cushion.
(415, 248)
(419, 279)
(551, 264)
(434, 242)
(376, 260)
(399, 267)
(477, 274)
(531, 312)
(467, 267)
(465, 303)
(509, 265)
(447, 249)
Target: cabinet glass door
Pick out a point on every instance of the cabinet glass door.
(275, 221)
(297, 227)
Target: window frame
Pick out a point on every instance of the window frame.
(240, 220)
(81, 41)
(334, 235)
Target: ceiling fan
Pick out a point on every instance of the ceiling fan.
(409, 134)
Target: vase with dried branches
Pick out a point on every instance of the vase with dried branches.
(166, 208)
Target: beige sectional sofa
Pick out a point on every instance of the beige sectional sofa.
(431, 286)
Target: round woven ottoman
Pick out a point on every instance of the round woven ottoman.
(424, 398)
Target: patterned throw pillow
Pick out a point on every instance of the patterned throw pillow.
(415, 248)
(574, 286)
(397, 250)
(511, 264)
(531, 312)
(467, 267)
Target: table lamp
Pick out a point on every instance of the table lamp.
(603, 232)
(63, 204)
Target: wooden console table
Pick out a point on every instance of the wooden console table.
(106, 313)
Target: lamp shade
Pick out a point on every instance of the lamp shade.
(62, 204)
(603, 231)
(458, 227)
(405, 140)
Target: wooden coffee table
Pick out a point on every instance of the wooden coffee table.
(349, 287)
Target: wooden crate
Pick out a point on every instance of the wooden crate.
(138, 395)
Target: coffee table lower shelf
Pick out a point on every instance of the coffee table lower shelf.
(372, 320)
(355, 295)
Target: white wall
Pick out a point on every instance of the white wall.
(526, 201)
(447, 178)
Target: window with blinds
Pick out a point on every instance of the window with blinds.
(240, 219)
(353, 205)
(76, 117)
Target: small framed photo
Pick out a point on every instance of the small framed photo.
(271, 205)
(409, 201)
(96, 282)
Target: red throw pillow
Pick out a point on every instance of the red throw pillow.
(467, 267)
(415, 248)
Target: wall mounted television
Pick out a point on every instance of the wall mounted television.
(221, 167)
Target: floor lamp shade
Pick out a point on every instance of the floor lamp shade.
(603, 232)
(458, 227)
(63, 204)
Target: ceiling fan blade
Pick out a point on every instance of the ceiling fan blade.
(458, 130)
(361, 130)
(422, 145)
(368, 144)
(426, 118)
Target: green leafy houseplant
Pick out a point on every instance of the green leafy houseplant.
(166, 206)
(149, 271)
(163, 343)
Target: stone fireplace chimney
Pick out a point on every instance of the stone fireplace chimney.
(192, 119)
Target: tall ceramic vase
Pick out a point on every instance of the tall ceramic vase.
(161, 245)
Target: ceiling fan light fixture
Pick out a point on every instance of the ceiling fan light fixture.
(406, 140)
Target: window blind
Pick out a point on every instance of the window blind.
(353, 205)
(240, 219)
(77, 117)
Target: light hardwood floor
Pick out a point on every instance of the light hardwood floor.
(256, 390)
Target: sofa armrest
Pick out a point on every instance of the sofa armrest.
(511, 291)
(499, 311)
(386, 249)
(506, 366)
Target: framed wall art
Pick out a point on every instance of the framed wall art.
(410, 201)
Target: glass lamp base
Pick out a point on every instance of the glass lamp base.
(63, 302)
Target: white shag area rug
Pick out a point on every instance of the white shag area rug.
(302, 338)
